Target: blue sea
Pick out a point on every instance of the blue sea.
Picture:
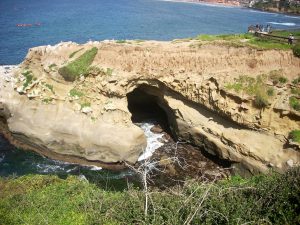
(82, 20)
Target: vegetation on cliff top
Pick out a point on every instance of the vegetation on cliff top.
(74, 53)
(250, 40)
(79, 66)
(296, 50)
(262, 199)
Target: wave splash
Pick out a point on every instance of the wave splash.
(153, 142)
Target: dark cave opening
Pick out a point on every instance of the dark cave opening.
(148, 107)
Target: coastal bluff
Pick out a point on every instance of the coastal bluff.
(228, 100)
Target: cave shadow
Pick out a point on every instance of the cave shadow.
(150, 108)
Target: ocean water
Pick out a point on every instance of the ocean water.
(17, 162)
(82, 20)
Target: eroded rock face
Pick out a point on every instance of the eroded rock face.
(189, 84)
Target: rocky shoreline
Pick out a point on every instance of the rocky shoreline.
(90, 120)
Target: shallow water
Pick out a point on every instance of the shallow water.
(16, 162)
(82, 20)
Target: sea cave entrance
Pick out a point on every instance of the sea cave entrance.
(147, 104)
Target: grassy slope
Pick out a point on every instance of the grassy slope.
(36, 199)
(252, 41)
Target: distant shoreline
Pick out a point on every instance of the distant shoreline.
(206, 3)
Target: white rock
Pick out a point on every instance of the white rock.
(20, 90)
(290, 163)
(86, 110)
(109, 106)
(82, 78)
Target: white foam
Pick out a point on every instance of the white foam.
(95, 168)
(153, 142)
(294, 17)
(263, 12)
(48, 168)
(2, 158)
(283, 24)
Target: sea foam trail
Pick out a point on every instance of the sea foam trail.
(283, 24)
(153, 142)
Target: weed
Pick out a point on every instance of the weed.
(270, 91)
(282, 80)
(296, 91)
(121, 41)
(296, 80)
(252, 86)
(74, 92)
(79, 66)
(85, 104)
(295, 135)
(237, 87)
(52, 66)
(47, 100)
(261, 100)
(109, 71)
(277, 77)
(294, 103)
(74, 53)
(29, 77)
(296, 50)
(50, 87)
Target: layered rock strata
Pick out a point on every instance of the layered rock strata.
(191, 84)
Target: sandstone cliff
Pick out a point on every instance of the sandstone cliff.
(209, 93)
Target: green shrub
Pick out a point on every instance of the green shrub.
(261, 100)
(52, 66)
(277, 77)
(295, 91)
(296, 50)
(74, 92)
(85, 104)
(296, 80)
(270, 91)
(282, 79)
(29, 77)
(50, 87)
(109, 71)
(79, 66)
(47, 100)
(294, 103)
(295, 135)
(261, 199)
(253, 86)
